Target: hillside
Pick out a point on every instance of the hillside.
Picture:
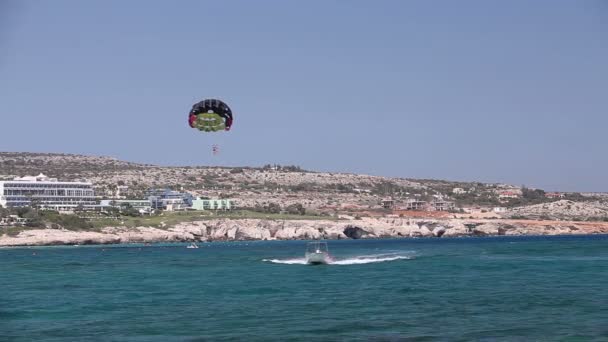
(283, 185)
(563, 210)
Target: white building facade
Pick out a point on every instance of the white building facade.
(213, 204)
(47, 193)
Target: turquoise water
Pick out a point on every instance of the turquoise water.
(491, 289)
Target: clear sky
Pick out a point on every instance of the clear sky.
(499, 91)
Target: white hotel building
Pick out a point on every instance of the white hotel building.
(46, 193)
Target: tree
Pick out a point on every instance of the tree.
(273, 208)
(113, 211)
(295, 209)
(22, 211)
(530, 194)
(128, 210)
(33, 218)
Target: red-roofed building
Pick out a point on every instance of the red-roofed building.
(554, 195)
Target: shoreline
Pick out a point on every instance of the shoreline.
(185, 243)
(261, 229)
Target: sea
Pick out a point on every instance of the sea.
(428, 289)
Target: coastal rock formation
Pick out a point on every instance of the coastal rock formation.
(257, 229)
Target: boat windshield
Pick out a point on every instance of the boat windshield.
(316, 247)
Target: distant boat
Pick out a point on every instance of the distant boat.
(317, 253)
(192, 245)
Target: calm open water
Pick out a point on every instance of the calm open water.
(490, 289)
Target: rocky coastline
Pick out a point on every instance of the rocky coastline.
(259, 229)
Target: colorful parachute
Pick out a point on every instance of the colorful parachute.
(210, 116)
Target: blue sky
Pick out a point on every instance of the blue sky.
(499, 91)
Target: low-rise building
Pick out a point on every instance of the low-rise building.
(213, 204)
(388, 203)
(167, 199)
(414, 204)
(441, 205)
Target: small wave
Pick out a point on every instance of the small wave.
(358, 260)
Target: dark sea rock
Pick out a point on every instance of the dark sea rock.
(355, 232)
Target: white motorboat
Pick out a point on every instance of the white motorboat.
(317, 253)
(192, 245)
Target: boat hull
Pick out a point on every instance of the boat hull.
(317, 258)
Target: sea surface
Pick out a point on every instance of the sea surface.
(460, 289)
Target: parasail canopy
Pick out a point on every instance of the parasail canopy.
(210, 115)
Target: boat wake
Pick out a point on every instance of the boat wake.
(357, 260)
(298, 261)
(370, 259)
